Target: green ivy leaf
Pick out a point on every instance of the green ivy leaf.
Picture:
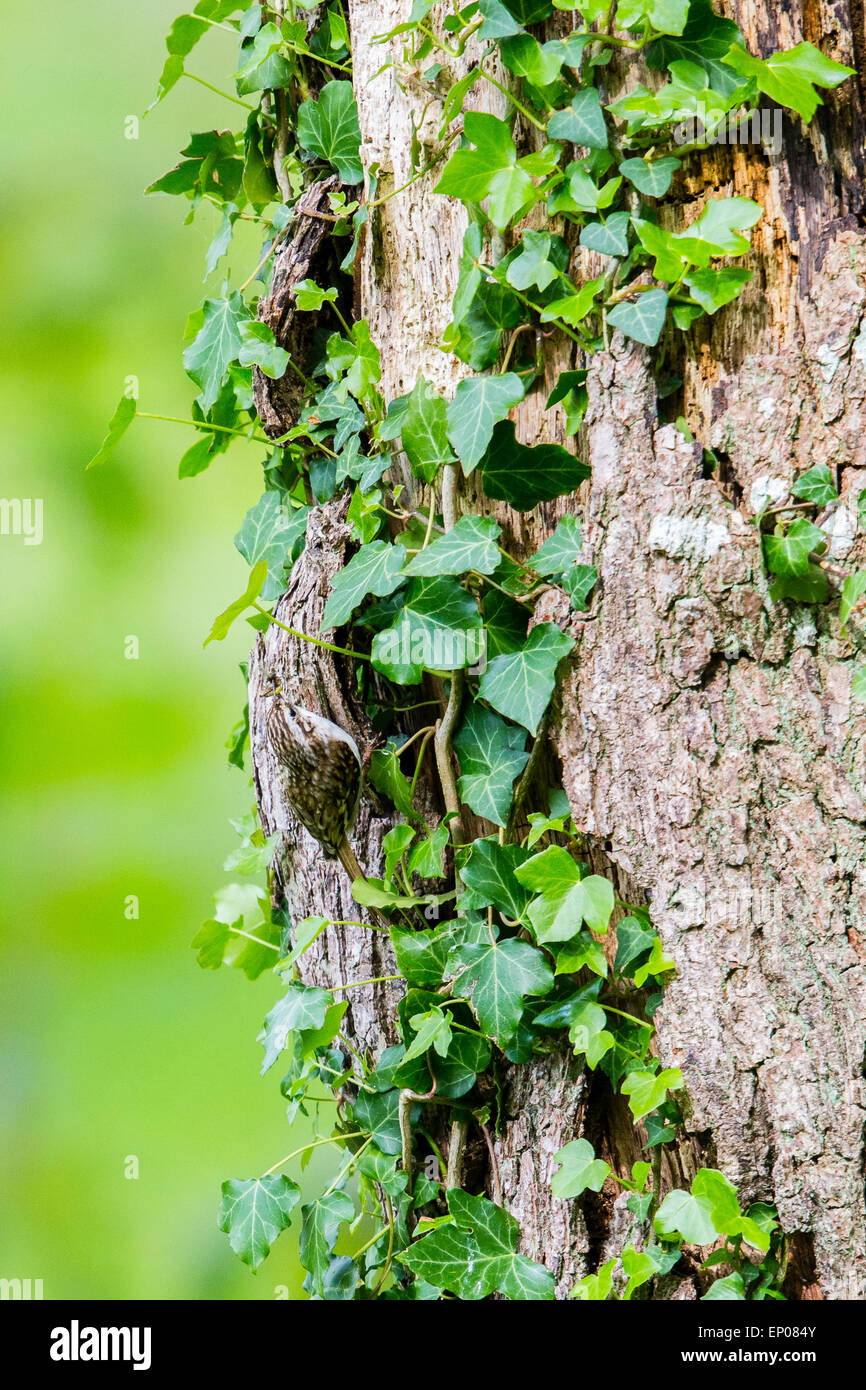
(262, 64)
(476, 1255)
(644, 1265)
(254, 1211)
(221, 624)
(573, 308)
(432, 1029)
(329, 128)
(858, 684)
(490, 170)
(388, 778)
(421, 956)
(479, 404)
(634, 937)
(438, 628)
(522, 476)
(470, 545)
(394, 846)
(646, 1090)
(578, 583)
(609, 238)
(816, 485)
(117, 427)
(670, 260)
(520, 684)
(790, 77)
(341, 1280)
(259, 346)
(537, 63)
(271, 532)
(377, 568)
(579, 1170)
(559, 551)
(530, 11)
(731, 1288)
(181, 39)
(579, 193)
(652, 178)
(498, 976)
(426, 857)
(686, 1217)
(310, 297)
(424, 432)
(489, 875)
(582, 123)
(658, 964)
(595, 1288)
(322, 1220)
(491, 755)
(642, 320)
(713, 1187)
(566, 898)
(717, 232)
(852, 591)
(499, 23)
(706, 40)
(665, 16)
(713, 289)
(539, 260)
(810, 587)
(379, 1116)
(300, 1007)
(788, 553)
(216, 344)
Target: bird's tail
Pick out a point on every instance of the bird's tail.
(349, 861)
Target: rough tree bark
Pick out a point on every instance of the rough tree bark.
(708, 741)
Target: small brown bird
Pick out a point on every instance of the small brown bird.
(323, 769)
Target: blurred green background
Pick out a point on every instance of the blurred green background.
(114, 1043)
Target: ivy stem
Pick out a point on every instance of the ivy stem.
(220, 93)
(608, 1008)
(419, 173)
(521, 328)
(357, 1056)
(456, 1146)
(315, 641)
(524, 110)
(494, 1167)
(657, 1189)
(315, 1144)
(419, 733)
(202, 425)
(264, 260)
(381, 980)
(345, 1169)
(527, 775)
(445, 727)
(407, 1100)
(257, 939)
(420, 759)
(626, 292)
(575, 335)
(384, 1275)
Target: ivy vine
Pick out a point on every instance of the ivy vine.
(514, 957)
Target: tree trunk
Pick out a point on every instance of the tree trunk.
(709, 745)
